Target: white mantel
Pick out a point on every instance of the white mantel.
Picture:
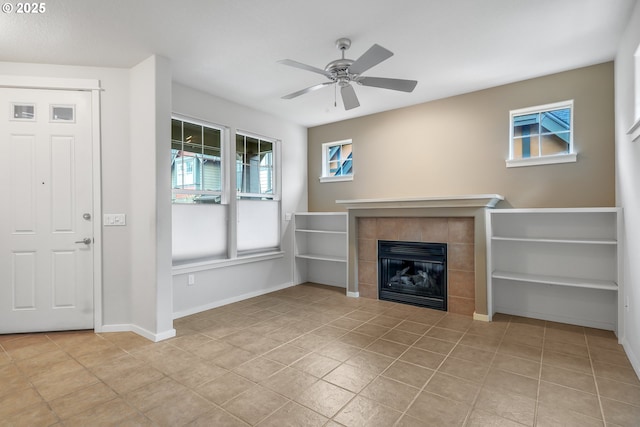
(464, 201)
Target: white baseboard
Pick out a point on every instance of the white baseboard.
(554, 317)
(353, 294)
(482, 317)
(153, 337)
(115, 328)
(220, 303)
(633, 358)
(140, 331)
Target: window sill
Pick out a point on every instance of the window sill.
(221, 263)
(336, 178)
(547, 160)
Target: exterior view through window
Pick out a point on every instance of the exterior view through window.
(543, 131)
(337, 161)
(254, 168)
(196, 166)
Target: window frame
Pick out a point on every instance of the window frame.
(325, 176)
(222, 193)
(569, 157)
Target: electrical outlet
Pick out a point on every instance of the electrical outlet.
(191, 280)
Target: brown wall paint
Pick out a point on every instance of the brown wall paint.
(459, 145)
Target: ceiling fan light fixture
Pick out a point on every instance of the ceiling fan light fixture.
(344, 71)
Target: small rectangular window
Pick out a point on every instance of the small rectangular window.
(541, 135)
(25, 112)
(62, 113)
(337, 161)
(196, 162)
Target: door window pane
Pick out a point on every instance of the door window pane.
(23, 112)
(63, 113)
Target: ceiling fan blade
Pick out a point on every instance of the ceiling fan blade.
(302, 66)
(307, 90)
(375, 55)
(393, 84)
(349, 98)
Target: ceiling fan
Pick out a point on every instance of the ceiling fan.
(345, 71)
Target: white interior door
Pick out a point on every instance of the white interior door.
(46, 231)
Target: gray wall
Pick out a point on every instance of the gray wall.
(458, 145)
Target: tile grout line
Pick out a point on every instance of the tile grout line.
(595, 381)
(536, 408)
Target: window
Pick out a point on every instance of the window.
(196, 162)
(541, 135)
(254, 168)
(337, 161)
(210, 227)
(258, 205)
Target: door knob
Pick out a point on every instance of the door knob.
(86, 241)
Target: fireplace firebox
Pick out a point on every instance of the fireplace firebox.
(413, 273)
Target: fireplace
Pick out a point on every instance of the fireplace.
(413, 273)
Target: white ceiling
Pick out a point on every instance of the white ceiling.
(229, 48)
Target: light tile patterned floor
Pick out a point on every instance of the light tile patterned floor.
(309, 356)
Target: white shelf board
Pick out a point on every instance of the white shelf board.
(556, 280)
(303, 230)
(554, 210)
(322, 257)
(320, 213)
(549, 240)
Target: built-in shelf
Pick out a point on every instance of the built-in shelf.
(556, 264)
(320, 241)
(556, 280)
(550, 240)
(321, 231)
(322, 257)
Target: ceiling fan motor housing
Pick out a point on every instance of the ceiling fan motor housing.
(339, 69)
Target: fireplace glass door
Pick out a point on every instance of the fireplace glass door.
(413, 273)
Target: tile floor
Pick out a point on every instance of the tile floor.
(309, 356)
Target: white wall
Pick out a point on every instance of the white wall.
(628, 181)
(114, 104)
(150, 220)
(218, 286)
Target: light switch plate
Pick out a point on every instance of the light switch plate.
(115, 219)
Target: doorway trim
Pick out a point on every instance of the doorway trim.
(93, 86)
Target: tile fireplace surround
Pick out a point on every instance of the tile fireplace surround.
(458, 221)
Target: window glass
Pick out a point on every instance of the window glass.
(337, 159)
(254, 167)
(196, 162)
(23, 112)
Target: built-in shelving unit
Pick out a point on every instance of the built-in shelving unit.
(321, 247)
(555, 264)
